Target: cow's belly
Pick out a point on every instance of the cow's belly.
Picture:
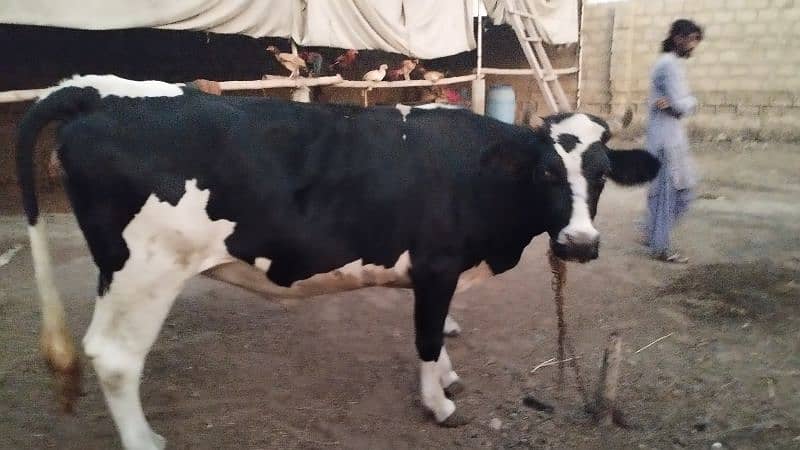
(349, 277)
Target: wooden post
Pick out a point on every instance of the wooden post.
(301, 94)
(479, 96)
(480, 39)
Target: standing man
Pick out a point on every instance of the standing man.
(670, 101)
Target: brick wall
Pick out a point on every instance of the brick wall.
(744, 73)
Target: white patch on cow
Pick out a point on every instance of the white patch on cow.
(580, 228)
(438, 106)
(432, 392)
(404, 136)
(263, 263)
(404, 110)
(167, 245)
(112, 85)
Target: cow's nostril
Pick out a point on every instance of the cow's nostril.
(582, 238)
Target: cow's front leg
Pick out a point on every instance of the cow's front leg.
(433, 291)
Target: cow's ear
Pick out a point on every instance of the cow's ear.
(510, 159)
(632, 167)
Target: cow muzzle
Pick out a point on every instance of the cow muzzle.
(578, 252)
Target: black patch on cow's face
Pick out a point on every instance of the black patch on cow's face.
(568, 141)
(596, 168)
(550, 178)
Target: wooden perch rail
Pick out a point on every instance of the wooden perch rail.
(336, 81)
(403, 83)
(280, 82)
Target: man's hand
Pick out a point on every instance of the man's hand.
(663, 103)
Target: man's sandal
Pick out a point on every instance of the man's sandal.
(672, 257)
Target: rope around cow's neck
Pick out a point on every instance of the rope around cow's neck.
(559, 269)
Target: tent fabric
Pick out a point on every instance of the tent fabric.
(256, 18)
(420, 28)
(557, 19)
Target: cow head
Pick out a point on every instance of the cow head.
(570, 176)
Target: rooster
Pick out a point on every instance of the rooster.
(407, 67)
(375, 75)
(432, 75)
(313, 61)
(344, 61)
(395, 75)
(290, 61)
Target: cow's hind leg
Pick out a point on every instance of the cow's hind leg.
(448, 377)
(433, 291)
(451, 327)
(125, 324)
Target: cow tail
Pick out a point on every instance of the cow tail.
(56, 342)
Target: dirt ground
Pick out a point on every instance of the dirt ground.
(233, 370)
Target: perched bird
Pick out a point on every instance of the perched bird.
(432, 75)
(408, 66)
(375, 75)
(290, 61)
(344, 61)
(313, 61)
(395, 75)
(451, 96)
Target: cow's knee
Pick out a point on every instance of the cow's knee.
(116, 367)
(117, 346)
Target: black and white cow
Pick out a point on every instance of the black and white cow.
(294, 199)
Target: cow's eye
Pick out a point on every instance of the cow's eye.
(549, 176)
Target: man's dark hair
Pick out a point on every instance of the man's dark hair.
(681, 27)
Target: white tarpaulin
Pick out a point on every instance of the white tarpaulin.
(256, 18)
(557, 20)
(421, 28)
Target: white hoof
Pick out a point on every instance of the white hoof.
(152, 442)
(159, 441)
